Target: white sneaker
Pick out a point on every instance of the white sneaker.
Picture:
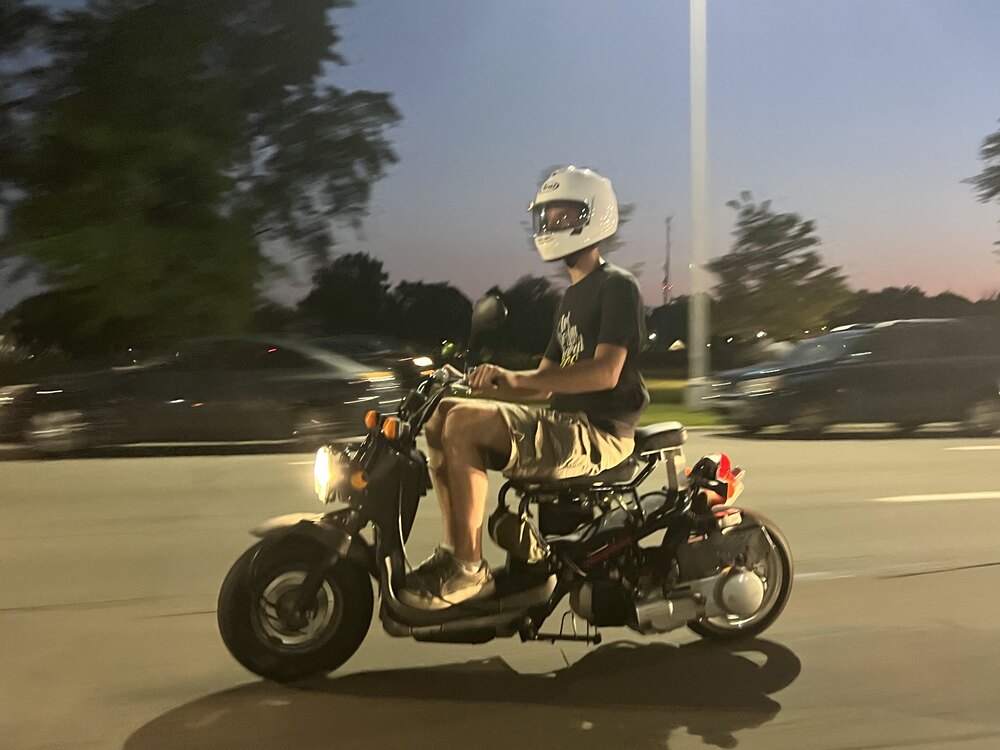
(445, 584)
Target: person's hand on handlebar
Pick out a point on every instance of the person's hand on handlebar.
(490, 379)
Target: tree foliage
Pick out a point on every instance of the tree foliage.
(428, 313)
(987, 182)
(531, 303)
(348, 296)
(897, 303)
(773, 279)
(170, 139)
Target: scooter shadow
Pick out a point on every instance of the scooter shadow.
(622, 694)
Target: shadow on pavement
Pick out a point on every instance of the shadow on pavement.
(621, 695)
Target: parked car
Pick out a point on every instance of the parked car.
(207, 390)
(907, 372)
(408, 362)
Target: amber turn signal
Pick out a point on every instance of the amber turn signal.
(371, 419)
(359, 480)
(390, 428)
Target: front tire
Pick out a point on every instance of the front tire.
(264, 637)
(778, 571)
(58, 433)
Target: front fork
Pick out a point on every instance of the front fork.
(336, 540)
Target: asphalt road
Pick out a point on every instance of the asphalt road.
(109, 570)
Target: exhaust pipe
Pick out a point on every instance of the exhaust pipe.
(735, 591)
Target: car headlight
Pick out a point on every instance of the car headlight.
(759, 386)
(326, 473)
(423, 361)
(10, 392)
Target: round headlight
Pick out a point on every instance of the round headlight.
(325, 471)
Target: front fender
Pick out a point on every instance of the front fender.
(329, 539)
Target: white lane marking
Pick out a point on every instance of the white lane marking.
(823, 576)
(938, 497)
(975, 448)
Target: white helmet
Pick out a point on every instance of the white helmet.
(574, 209)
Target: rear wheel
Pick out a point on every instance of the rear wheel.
(776, 570)
(983, 418)
(748, 430)
(809, 419)
(262, 630)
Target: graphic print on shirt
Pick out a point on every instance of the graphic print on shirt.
(570, 341)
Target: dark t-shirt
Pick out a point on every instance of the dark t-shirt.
(604, 307)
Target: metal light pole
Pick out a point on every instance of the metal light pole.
(698, 304)
(667, 285)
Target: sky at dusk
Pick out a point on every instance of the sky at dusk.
(863, 115)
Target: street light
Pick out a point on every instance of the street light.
(698, 307)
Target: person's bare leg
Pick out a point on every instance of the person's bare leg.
(436, 464)
(471, 433)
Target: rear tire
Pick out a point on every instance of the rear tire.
(730, 628)
(809, 419)
(268, 645)
(983, 418)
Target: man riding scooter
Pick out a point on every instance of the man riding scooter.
(589, 372)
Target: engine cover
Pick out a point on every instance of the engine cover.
(701, 557)
(602, 603)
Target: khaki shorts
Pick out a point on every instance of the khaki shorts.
(551, 445)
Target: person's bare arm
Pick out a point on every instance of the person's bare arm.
(598, 374)
(490, 380)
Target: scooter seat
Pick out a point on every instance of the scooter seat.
(659, 437)
(623, 473)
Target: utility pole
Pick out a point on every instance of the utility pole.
(667, 286)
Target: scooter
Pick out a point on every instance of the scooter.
(299, 602)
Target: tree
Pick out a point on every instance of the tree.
(348, 296)
(670, 321)
(894, 303)
(428, 313)
(22, 28)
(171, 138)
(531, 303)
(773, 279)
(987, 182)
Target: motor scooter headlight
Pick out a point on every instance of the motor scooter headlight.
(326, 473)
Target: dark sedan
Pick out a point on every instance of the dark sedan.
(907, 372)
(207, 390)
(405, 360)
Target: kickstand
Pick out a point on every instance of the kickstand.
(561, 635)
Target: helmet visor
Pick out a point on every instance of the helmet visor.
(559, 216)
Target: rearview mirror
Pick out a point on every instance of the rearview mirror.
(488, 314)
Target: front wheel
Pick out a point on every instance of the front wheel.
(776, 570)
(59, 433)
(262, 631)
